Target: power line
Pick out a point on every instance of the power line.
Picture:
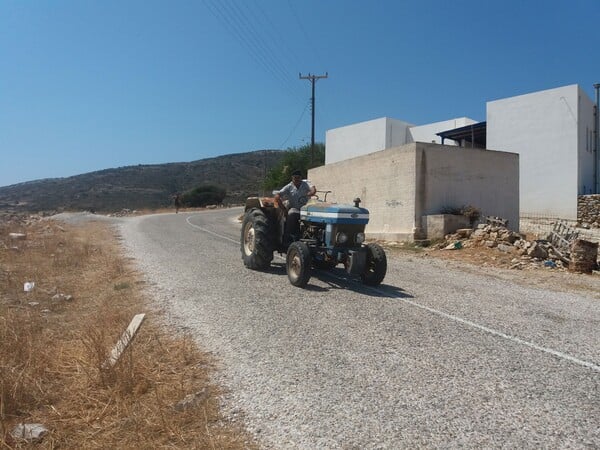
(237, 23)
(276, 36)
(295, 126)
(258, 38)
(314, 49)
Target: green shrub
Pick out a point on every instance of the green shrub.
(204, 195)
(294, 159)
(469, 211)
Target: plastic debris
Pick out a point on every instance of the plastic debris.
(550, 263)
(454, 246)
(28, 286)
(29, 431)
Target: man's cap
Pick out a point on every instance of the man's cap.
(296, 173)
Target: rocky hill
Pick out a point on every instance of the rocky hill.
(142, 186)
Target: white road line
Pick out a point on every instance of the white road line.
(491, 331)
(211, 232)
(452, 317)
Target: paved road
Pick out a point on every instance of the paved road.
(434, 357)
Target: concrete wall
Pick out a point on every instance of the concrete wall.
(437, 226)
(364, 137)
(399, 185)
(428, 133)
(452, 177)
(542, 128)
(384, 181)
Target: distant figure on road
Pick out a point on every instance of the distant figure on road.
(177, 202)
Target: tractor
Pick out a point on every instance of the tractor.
(330, 234)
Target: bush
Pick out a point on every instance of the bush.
(203, 196)
(470, 212)
(294, 159)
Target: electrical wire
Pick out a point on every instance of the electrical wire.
(237, 24)
(295, 126)
(314, 48)
(253, 29)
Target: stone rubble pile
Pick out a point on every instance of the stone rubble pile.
(123, 213)
(527, 253)
(22, 219)
(588, 211)
(584, 255)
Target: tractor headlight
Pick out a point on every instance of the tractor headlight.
(360, 238)
(341, 238)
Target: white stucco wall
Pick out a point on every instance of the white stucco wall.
(401, 184)
(452, 177)
(364, 137)
(378, 134)
(542, 128)
(427, 133)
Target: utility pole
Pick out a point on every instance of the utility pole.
(313, 79)
(597, 140)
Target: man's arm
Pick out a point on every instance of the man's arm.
(312, 190)
(278, 201)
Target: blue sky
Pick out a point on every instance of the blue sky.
(90, 85)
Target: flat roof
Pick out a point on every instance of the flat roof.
(475, 133)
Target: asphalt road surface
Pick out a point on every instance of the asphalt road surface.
(434, 357)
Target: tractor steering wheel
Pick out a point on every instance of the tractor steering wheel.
(324, 192)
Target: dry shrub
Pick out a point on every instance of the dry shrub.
(53, 351)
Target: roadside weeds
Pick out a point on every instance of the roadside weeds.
(55, 339)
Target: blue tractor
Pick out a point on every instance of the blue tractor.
(330, 234)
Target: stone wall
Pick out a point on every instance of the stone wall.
(588, 211)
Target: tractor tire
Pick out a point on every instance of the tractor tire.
(255, 242)
(298, 263)
(376, 265)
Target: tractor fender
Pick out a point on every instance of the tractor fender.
(259, 202)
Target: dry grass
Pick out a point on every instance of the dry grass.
(52, 351)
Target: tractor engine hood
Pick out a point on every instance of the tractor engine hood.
(322, 212)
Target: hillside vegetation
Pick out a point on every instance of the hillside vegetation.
(143, 186)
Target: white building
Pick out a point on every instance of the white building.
(552, 131)
(378, 134)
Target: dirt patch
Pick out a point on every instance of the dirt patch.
(500, 264)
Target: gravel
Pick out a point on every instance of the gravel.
(437, 356)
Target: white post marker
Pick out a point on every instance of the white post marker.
(125, 340)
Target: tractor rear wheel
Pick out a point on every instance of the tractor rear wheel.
(298, 263)
(256, 245)
(376, 265)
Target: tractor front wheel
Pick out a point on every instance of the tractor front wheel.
(257, 250)
(376, 265)
(298, 263)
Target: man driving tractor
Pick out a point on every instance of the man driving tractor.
(297, 193)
